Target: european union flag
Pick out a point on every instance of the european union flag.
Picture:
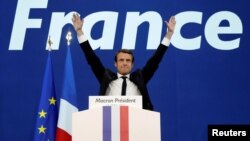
(47, 113)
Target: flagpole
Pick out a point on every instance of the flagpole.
(69, 37)
(49, 44)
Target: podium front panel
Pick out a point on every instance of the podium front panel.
(116, 123)
(87, 125)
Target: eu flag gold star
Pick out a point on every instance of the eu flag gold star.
(41, 129)
(52, 101)
(42, 114)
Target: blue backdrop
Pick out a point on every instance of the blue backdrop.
(203, 79)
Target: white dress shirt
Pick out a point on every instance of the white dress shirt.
(115, 87)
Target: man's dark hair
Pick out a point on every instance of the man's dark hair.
(125, 51)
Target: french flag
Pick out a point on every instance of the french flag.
(68, 102)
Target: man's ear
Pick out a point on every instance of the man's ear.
(115, 64)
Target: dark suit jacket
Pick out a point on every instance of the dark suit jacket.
(140, 77)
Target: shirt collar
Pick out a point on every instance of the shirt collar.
(119, 75)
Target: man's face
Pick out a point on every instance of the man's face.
(124, 63)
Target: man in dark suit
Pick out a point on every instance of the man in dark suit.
(124, 82)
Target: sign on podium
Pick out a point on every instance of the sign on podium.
(99, 101)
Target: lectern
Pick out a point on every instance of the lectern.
(116, 123)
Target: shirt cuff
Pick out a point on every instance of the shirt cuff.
(82, 38)
(165, 41)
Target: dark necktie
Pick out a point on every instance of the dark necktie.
(124, 85)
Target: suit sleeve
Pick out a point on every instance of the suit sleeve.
(153, 63)
(93, 60)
